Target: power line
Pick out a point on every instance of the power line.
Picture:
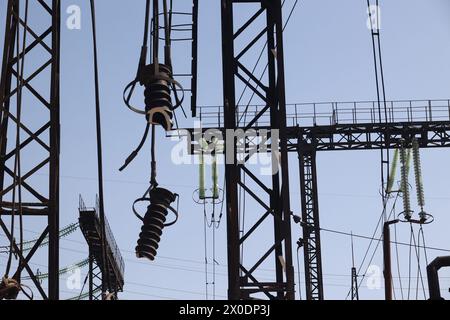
(377, 239)
(261, 269)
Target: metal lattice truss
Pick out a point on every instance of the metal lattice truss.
(310, 221)
(263, 29)
(29, 96)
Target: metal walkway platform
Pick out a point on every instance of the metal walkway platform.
(90, 226)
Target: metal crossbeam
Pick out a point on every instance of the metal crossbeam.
(39, 126)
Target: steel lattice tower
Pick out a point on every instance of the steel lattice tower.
(274, 198)
(40, 128)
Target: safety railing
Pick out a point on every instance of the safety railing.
(335, 113)
(111, 241)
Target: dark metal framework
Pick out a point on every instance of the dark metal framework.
(310, 220)
(380, 125)
(95, 278)
(431, 132)
(40, 129)
(243, 282)
(355, 286)
(433, 276)
(114, 273)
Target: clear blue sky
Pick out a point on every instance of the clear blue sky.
(328, 58)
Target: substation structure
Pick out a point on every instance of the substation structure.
(304, 129)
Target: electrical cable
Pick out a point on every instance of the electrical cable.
(424, 245)
(106, 283)
(298, 272)
(371, 241)
(214, 248)
(398, 261)
(385, 197)
(205, 223)
(419, 269)
(134, 154)
(409, 265)
(84, 284)
(28, 245)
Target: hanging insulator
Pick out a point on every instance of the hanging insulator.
(215, 177)
(404, 159)
(202, 189)
(154, 222)
(158, 80)
(393, 172)
(419, 180)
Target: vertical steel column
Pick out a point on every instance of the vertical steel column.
(310, 219)
(272, 92)
(387, 261)
(39, 200)
(53, 214)
(231, 169)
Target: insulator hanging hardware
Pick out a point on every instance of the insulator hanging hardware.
(201, 195)
(393, 171)
(405, 162)
(154, 221)
(419, 179)
(157, 78)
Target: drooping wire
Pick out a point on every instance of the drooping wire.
(205, 225)
(410, 265)
(370, 245)
(419, 268)
(424, 245)
(398, 261)
(84, 285)
(379, 77)
(28, 245)
(298, 272)
(106, 285)
(214, 248)
(212, 224)
(381, 98)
